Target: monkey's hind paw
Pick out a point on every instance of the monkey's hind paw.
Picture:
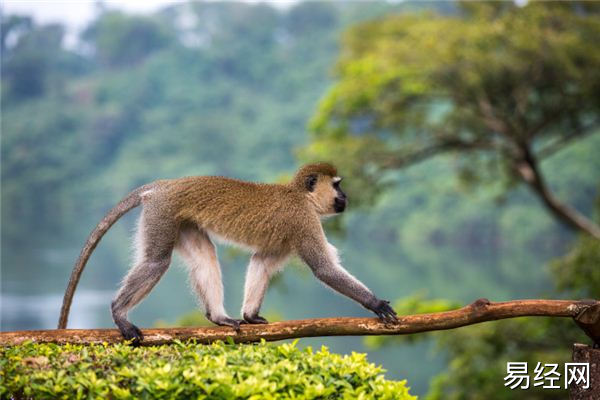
(132, 333)
(254, 319)
(226, 321)
(385, 312)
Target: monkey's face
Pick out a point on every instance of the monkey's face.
(340, 200)
(327, 195)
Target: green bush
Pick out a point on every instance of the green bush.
(189, 370)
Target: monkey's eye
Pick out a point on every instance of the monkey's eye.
(336, 182)
(311, 181)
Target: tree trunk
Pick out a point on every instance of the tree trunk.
(586, 354)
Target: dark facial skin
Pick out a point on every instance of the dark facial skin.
(340, 201)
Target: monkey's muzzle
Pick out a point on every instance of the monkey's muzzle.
(339, 204)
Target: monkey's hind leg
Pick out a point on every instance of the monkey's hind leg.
(260, 271)
(200, 255)
(153, 256)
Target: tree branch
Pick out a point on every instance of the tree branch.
(565, 140)
(527, 168)
(586, 313)
(486, 111)
(446, 145)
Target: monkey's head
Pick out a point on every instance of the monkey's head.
(322, 186)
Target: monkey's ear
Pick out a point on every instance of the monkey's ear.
(311, 181)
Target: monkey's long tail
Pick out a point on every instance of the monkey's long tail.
(130, 201)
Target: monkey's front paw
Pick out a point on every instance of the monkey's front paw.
(385, 312)
(254, 319)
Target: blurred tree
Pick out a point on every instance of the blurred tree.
(33, 59)
(577, 273)
(13, 25)
(308, 17)
(121, 40)
(503, 85)
(241, 51)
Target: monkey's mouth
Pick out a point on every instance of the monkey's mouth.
(339, 205)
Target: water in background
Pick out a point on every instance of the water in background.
(21, 312)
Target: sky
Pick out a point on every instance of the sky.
(76, 14)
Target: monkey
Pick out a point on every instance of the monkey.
(273, 221)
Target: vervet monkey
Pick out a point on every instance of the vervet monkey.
(274, 221)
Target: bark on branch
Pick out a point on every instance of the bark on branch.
(586, 313)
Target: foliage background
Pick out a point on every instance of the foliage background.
(229, 89)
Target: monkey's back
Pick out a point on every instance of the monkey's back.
(263, 217)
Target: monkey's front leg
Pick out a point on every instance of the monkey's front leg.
(325, 264)
(260, 271)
